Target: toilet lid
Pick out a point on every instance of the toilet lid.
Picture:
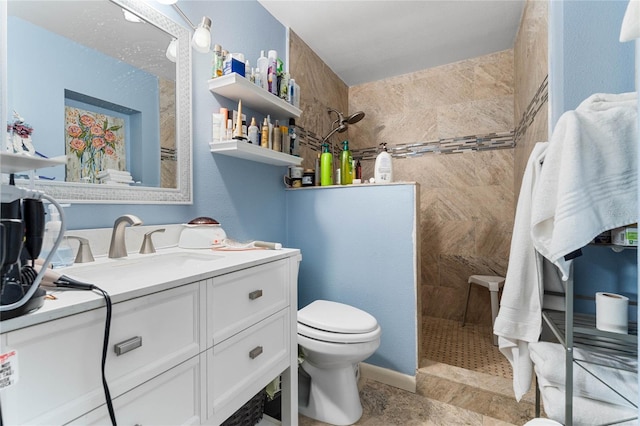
(336, 318)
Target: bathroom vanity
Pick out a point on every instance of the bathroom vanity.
(194, 335)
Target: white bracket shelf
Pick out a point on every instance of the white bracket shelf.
(16, 163)
(235, 87)
(247, 151)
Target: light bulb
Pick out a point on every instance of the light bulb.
(172, 50)
(201, 40)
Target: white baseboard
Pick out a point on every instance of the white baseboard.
(388, 377)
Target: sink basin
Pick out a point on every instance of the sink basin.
(147, 267)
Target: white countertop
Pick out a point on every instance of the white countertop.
(112, 276)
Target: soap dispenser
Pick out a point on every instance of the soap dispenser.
(383, 172)
(63, 256)
(346, 165)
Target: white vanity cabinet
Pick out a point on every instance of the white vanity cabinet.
(59, 361)
(193, 351)
(248, 335)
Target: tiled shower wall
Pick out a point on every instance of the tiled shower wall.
(466, 210)
(467, 199)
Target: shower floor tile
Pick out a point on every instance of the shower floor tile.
(469, 347)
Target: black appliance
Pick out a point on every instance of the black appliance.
(21, 236)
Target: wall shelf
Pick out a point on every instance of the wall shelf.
(247, 151)
(235, 87)
(15, 163)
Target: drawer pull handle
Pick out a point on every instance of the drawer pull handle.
(255, 294)
(255, 352)
(128, 345)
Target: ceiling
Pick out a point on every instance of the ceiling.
(363, 41)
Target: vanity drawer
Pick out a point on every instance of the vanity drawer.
(240, 299)
(69, 350)
(242, 365)
(169, 399)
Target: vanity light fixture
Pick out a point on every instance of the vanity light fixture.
(131, 17)
(201, 40)
(172, 50)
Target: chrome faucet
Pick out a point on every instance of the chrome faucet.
(118, 247)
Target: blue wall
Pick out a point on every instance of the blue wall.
(38, 80)
(585, 54)
(358, 248)
(586, 57)
(246, 197)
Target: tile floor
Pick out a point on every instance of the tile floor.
(463, 380)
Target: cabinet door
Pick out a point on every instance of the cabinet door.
(59, 361)
(170, 399)
(240, 299)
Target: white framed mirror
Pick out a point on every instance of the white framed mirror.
(72, 66)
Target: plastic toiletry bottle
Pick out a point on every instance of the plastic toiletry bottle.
(326, 166)
(217, 61)
(293, 138)
(316, 176)
(272, 74)
(264, 134)
(358, 170)
(383, 171)
(346, 164)
(64, 254)
(253, 131)
(277, 137)
(263, 65)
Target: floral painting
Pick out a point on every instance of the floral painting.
(94, 142)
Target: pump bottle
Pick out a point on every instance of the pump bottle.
(326, 166)
(383, 172)
(346, 164)
(263, 64)
(64, 254)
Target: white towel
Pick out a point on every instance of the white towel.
(548, 359)
(586, 411)
(519, 319)
(631, 22)
(589, 180)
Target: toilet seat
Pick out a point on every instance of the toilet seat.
(337, 322)
(331, 337)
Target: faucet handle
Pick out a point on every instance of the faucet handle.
(147, 243)
(84, 250)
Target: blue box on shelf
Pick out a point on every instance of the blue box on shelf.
(232, 66)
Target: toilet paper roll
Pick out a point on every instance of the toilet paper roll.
(612, 312)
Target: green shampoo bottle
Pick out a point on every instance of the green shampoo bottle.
(326, 166)
(346, 165)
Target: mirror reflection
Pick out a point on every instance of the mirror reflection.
(94, 84)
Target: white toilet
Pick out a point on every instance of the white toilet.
(334, 338)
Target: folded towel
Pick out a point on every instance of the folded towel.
(113, 172)
(519, 319)
(631, 22)
(548, 359)
(589, 180)
(586, 411)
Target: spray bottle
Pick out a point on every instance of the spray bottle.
(326, 166)
(346, 165)
(64, 254)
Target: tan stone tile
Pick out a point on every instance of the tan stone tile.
(476, 118)
(493, 239)
(457, 237)
(493, 75)
(445, 85)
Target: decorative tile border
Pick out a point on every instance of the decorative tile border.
(456, 145)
